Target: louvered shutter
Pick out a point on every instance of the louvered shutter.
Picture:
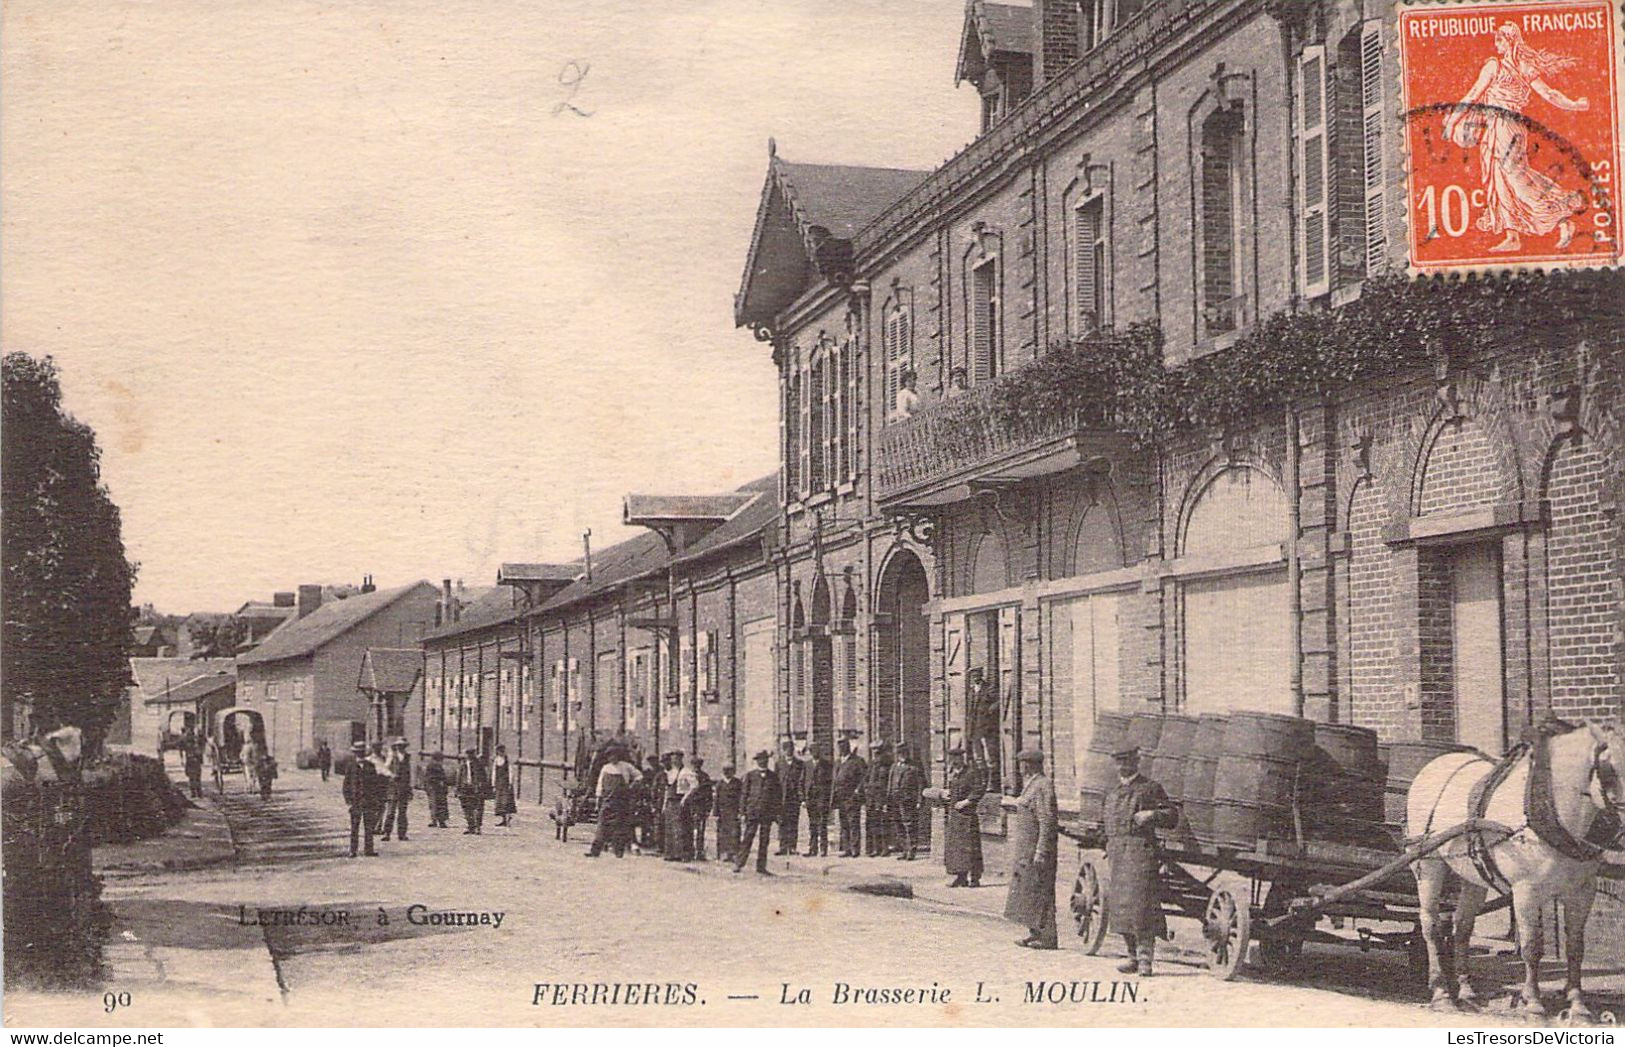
(1376, 212)
(888, 334)
(982, 322)
(804, 397)
(854, 405)
(905, 342)
(1312, 170)
(572, 683)
(1086, 283)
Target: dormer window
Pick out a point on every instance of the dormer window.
(990, 109)
(996, 55)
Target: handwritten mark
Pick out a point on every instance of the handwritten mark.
(571, 77)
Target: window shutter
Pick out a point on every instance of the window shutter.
(893, 348)
(1086, 282)
(572, 683)
(854, 404)
(1376, 214)
(803, 395)
(982, 322)
(703, 665)
(634, 687)
(1312, 170)
(685, 667)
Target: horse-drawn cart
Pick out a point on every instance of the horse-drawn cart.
(237, 733)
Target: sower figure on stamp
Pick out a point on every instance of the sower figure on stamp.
(436, 787)
(876, 809)
(846, 793)
(400, 790)
(962, 826)
(761, 803)
(791, 780)
(904, 787)
(819, 782)
(730, 796)
(1034, 836)
(357, 791)
(1136, 808)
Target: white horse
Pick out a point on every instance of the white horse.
(1587, 766)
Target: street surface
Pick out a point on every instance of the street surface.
(687, 936)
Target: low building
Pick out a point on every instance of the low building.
(170, 693)
(302, 678)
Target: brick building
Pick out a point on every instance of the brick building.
(669, 637)
(303, 677)
(1434, 552)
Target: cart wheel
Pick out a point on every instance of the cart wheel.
(1089, 908)
(1228, 928)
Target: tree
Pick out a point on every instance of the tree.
(66, 596)
(217, 638)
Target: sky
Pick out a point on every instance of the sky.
(411, 289)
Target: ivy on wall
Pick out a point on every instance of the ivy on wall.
(1116, 379)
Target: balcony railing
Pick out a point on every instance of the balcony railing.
(965, 437)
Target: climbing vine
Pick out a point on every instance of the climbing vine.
(1117, 378)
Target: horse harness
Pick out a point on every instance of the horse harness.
(1539, 804)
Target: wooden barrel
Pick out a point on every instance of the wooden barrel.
(1098, 775)
(1345, 796)
(1173, 746)
(1144, 733)
(1253, 783)
(1196, 790)
(1401, 762)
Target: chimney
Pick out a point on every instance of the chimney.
(458, 614)
(1057, 37)
(445, 601)
(310, 598)
(282, 600)
(367, 586)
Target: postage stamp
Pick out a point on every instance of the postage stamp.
(1511, 134)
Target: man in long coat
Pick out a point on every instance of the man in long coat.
(819, 782)
(473, 789)
(962, 832)
(730, 797)
(904, 787)
(792, 776)
(436, 786)
(761, 804)
(846, 793)
(358, 787)
(1135, 810)
(876, 804)
(1034, 836)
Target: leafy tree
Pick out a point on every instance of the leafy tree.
(66, 596)
(218, 638)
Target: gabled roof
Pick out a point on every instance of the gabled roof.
(390, 670)
(483, 607)
(168, 681)
(143, 635)
(992, 29)
(298, 637)
(804, 226)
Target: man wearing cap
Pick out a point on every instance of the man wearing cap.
(876, 810)
(762, 796)
(357, 787)
(730, 796)
(903, 789)
(1034, 835)
(1135, 809)
(400, 790)
(846, 793)
(792, 781)
(473, 789)
(962, 829)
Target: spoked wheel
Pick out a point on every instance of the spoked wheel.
(1089, 907)
(1281, 948)
(1228, 926)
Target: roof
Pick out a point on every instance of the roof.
(538, 572)
(992, 29)
(145, 634)
(805, 222)
(261, 609)
(175, 680)
(482, 607)
(390, 670)
(640, 507)
(298, 637)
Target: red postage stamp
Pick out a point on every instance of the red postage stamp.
(1511, 133)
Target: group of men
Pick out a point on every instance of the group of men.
(378, 791)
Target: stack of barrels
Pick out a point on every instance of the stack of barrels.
(1251, 776)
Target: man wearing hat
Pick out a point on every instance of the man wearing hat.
(903, 789)
(400, 790)
(818, 783)
(473, 789)
(761, 808)
(357, 789)
(730, 798)
(1135, 809)
(436, 786)
(1034, 836)
(962, 829)
(792, 779)
(846, 793)
(876, 809)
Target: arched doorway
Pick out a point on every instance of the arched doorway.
(821, 656)
(902, 681)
